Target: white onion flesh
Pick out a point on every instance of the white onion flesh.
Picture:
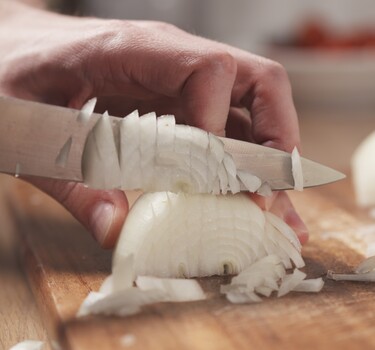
(367, 265)
(204, 235)
(100, 163)
(297, 170)
(313, 285)
(28, 345)
(155, 154)
(265, 190)
(177, 290)
(62, 157)
(87, 110)
(363, 171)
(290, 282)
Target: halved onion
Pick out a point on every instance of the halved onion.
(204, 235)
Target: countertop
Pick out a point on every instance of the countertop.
(327, 137)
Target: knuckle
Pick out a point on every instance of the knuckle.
(219, 61)
(275, 71)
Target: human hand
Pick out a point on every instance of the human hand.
(149, 66)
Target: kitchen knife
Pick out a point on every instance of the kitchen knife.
(35, 138)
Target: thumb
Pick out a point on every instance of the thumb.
(101, 212)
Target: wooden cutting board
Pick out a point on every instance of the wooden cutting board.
(63, 264)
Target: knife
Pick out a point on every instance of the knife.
(33, 135)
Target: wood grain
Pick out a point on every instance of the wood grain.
(63, 264)
(19, 317)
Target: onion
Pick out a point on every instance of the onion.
(367, 265)
(177, 290)
(313, 285)
(297, 170)
(63, 155)
(100, 162)
(87, 110)
(290, 282)
(363, 171)
(205, 235)
(28, 345)
(155, 154)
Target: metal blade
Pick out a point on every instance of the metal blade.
(35, 139)
(275, 166)
(32, 136)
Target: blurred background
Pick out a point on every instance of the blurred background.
(326, 46)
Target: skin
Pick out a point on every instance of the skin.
(149, 66)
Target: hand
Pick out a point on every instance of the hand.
(149, 66)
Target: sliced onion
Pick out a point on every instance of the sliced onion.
(251, 182)
(100, 162)
(265, 190)
(130, 152)
(290, 282)
(63, 155)
(313, 285)
(367, 265)
(177, 290)
(363, 170)
(297, 170)
(87, 110)
(28, 345)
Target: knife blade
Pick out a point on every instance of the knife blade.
(33, 135)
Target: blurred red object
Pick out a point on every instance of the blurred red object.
(314, 34)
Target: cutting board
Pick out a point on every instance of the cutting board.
(63, 264)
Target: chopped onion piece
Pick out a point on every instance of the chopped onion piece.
(290, 282)
(360, 277)
(265, 190)
(367, 265)
(128, 340)
(177, 290)
(363, 170)
(87, 110)
(251, 182)
(130, 152)
(297, 170)
(100, 162)
(240, 298)
(28, 345)
(63, 155)
(123, 303)
(313, 285)
(284, 229)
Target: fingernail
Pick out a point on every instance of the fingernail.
(295, 222)
(101, 220)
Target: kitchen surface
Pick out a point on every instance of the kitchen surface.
(48, 227)
(49, 263)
